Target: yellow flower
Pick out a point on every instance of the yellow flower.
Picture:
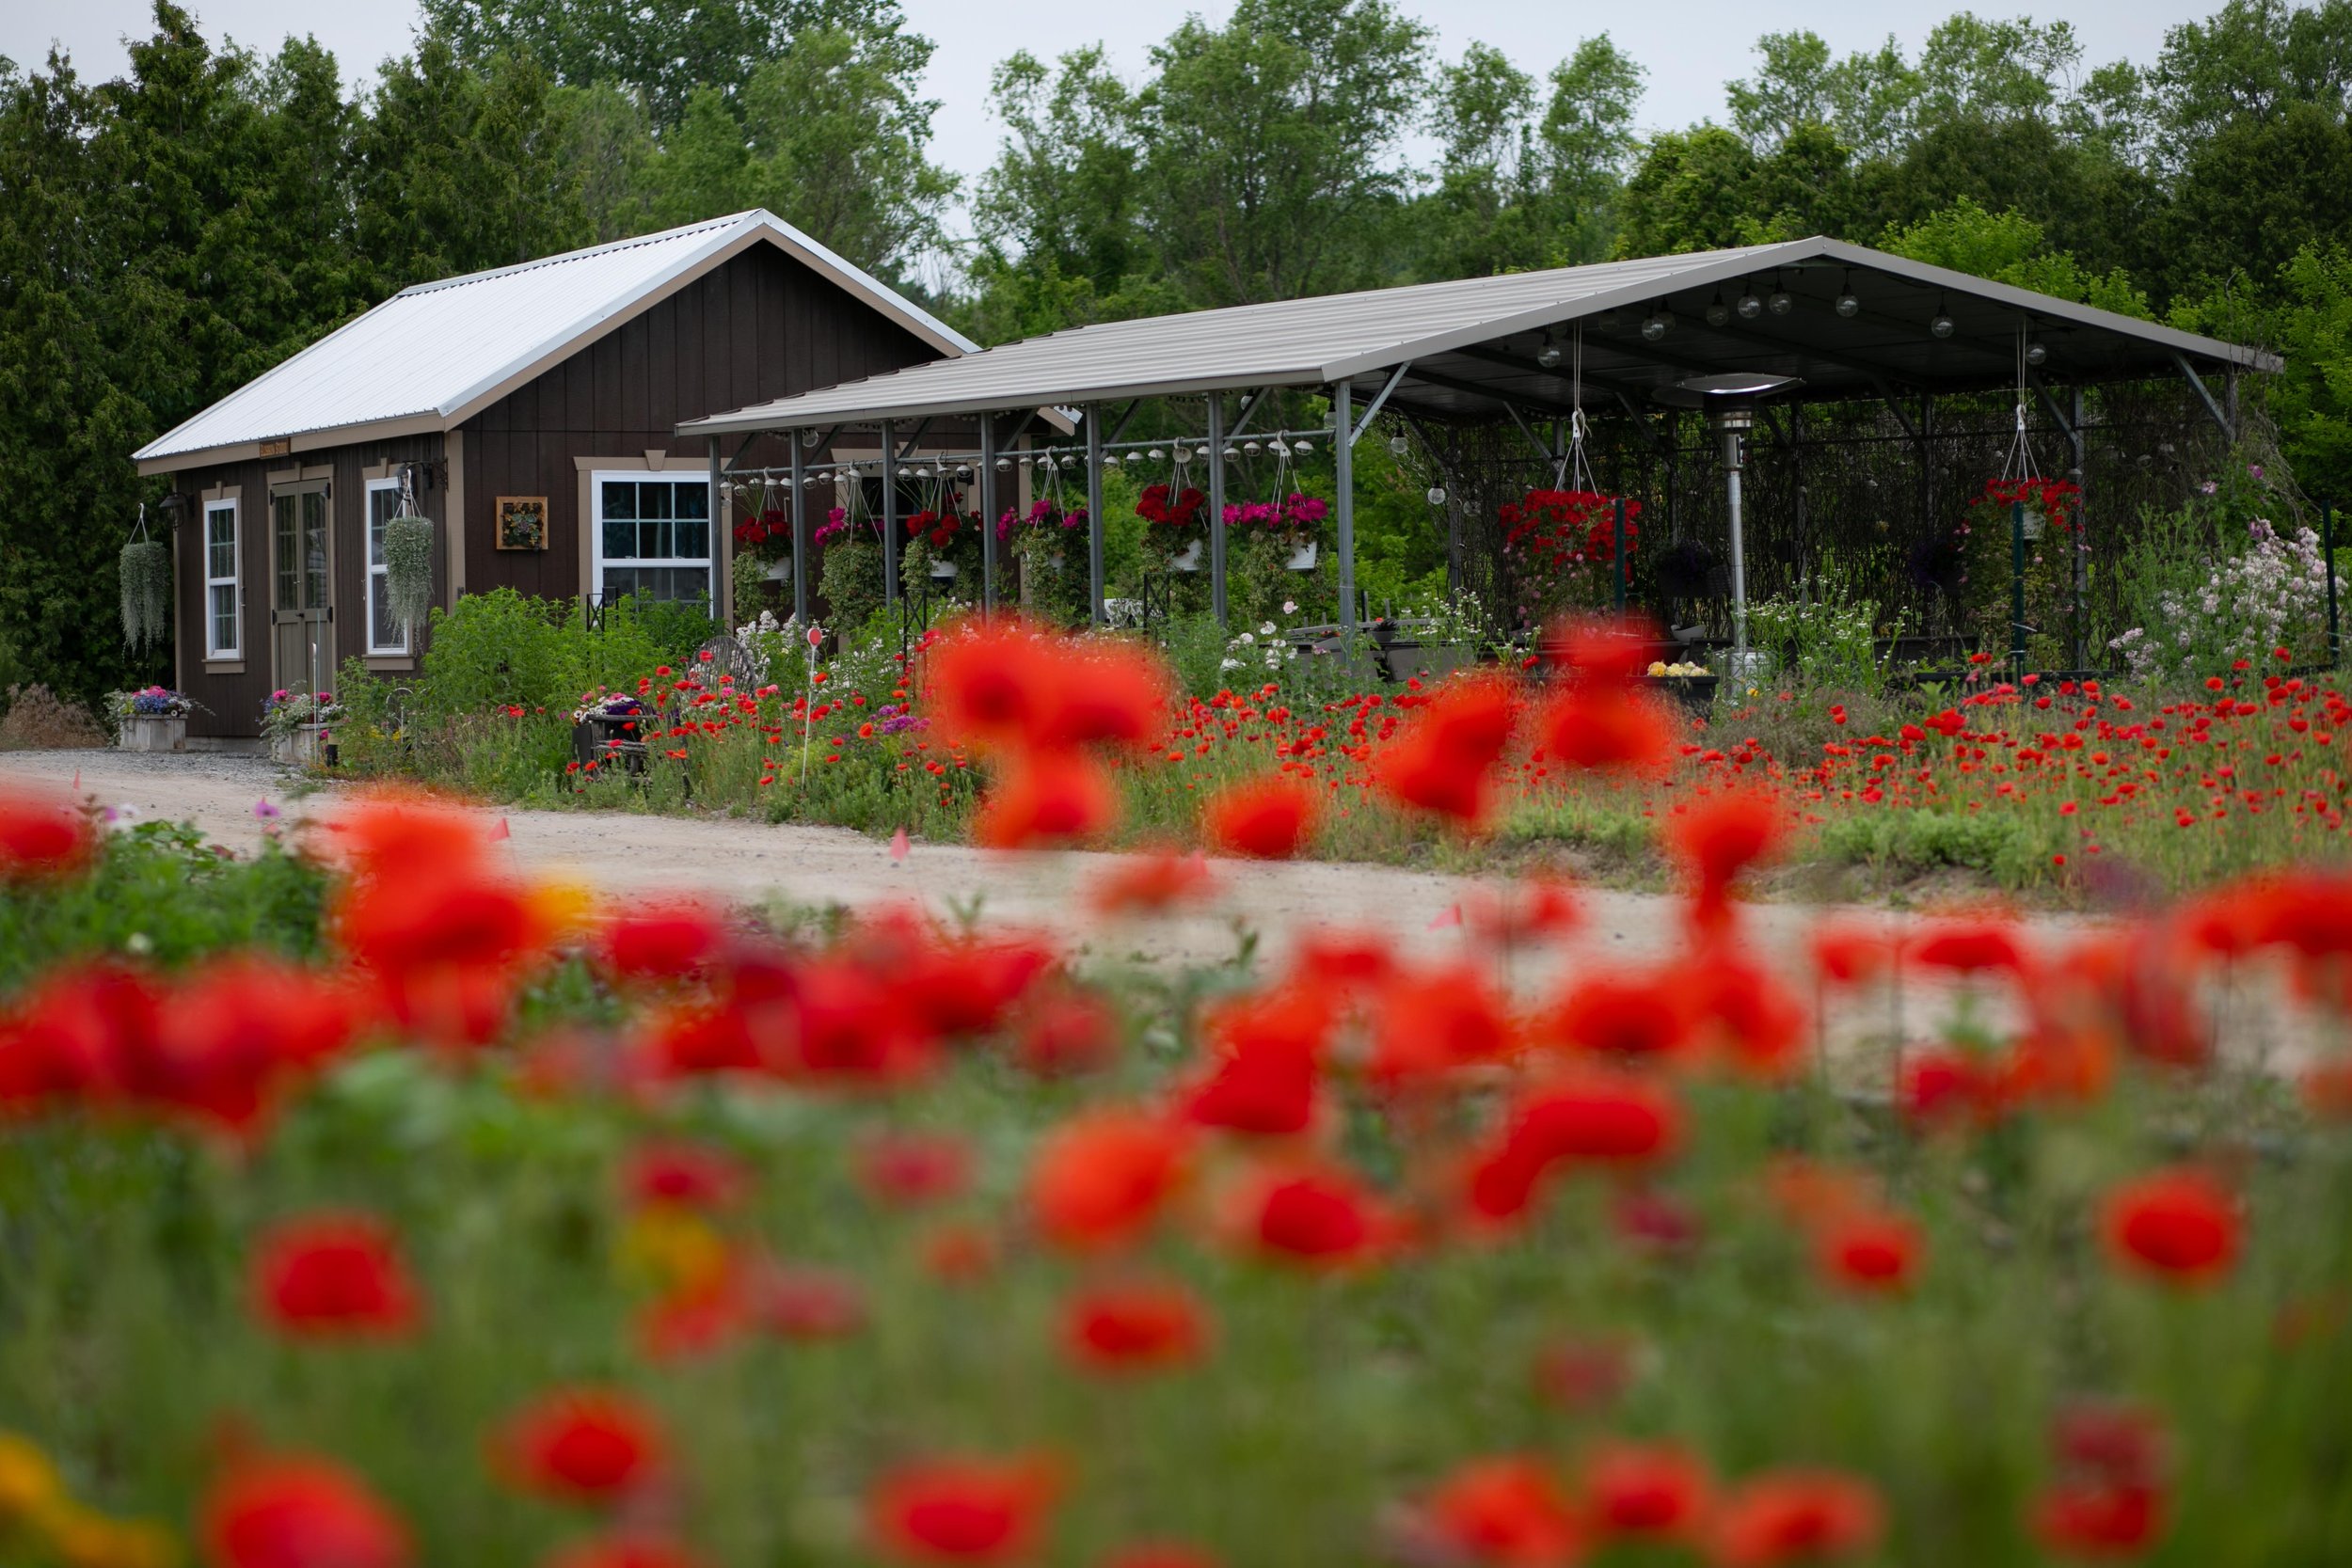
(27, 1481)
(672, 1248)
(84, 1539)
(562, 907)
(1658, 667)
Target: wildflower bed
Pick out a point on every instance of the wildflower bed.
(366, 1206)
(2064, 790)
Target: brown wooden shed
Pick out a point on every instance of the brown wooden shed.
(532, 412)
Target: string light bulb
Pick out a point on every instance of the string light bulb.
(1941, 326)
(1780, 301)
(2037, 354)
(1749, 306)
(1548, 355)
(1656, 325)
(1437, 494)
(1717, 311)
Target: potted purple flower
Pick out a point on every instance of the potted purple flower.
(152, 718)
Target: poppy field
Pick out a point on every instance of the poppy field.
(364, 1204)
(2072, 793)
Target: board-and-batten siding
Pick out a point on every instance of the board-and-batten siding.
(761, 326)
(232, 703)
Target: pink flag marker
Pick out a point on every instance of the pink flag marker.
(1450, 915)
(898, 845)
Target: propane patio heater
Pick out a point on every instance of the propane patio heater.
(1729, 404)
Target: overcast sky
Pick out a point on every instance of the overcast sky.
(1690, 47)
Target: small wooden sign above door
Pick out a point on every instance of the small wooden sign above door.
(521, 522)
(282, 447)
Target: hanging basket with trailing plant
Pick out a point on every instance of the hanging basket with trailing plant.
(408, 569)
(146, 574)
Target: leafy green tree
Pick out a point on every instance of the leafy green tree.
(662, 54)
(2011, 248)
(1270, 166)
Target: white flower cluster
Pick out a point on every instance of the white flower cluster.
(1245, 650)
(2273, 595)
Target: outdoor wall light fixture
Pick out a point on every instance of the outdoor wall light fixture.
(1717, 311)
(1849, 304)
(1134, 457)
(1230, 454)
(1304, 449)
(1202, 452)
(1942, 325)
(1656, 324)
(1003, 464)
(1155, 455)
(1252, 448)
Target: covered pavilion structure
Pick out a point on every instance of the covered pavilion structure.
(1552, 356)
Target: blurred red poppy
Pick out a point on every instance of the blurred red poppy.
(1440, 762)
(1653, 1491)
(662, 942)
(684, 1176)
(1715, 840)
(42, 836)
(971, 1511)
(1507, 1512)
(908, 1170)
(1060, 799)
(2099, 1519)
(1152, 885)
(298, 1513)
(1629, 1015)
(336, 1276)
(581, 1445)
(1264, 818)
(1066, 1030)
(2179, 1223)
(1430, 1023)
(1099, 1179)
(1313, 1213)
(1605, 730)
(1135, 1325)
(1969, 947)
(1871, 1252)
(628, 1551)
(1797, 1517)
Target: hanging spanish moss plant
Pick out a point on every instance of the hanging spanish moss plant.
(145, 571)
(408, 569)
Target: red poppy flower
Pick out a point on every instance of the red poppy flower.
(1871, 1252)
(1751, 1017)
(662, 942)
(1945, 1087)
(1152, 885)
(1605, 730)
(1265, 819)
(2179, 1223)
(685, 1176)
(1135, 1327)
(2099, 1519)
(297, 1513)
(587, 1446)
(1060, 799)
(1066, 1031)
(804, 1302)
(42, 836)
(1309, 1214)
(1104, 692)
(1970, 947)
(1715, 840)
(1634, 1016)
(1431, 1023)
(1657, 1491)
(236, 1038)
(1583, 1376)
(1797, 1517)
(973, 1510)
(908, 1170)
(334, 1275)
(1440, 762)
(1505, 1511)
(1849, 954)
(1603, 1118)
(1099, 1179)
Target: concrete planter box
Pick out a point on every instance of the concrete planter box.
(144, 734)
(298, 746)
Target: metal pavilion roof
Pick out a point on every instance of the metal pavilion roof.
(434, 354)
(1470, 345)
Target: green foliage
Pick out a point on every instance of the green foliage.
(408, 570)
(2010, 247)
(161, 895)
(2007, 849)
(145, 568)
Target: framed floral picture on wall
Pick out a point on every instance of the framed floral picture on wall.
(522, 522)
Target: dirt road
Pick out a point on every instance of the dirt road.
(623, 853)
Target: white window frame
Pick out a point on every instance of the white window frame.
(596, 479)
(234, 581)
(375, 570)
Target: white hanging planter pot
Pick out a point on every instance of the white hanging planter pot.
(780, 571)
(943, 571)
(1191, 560)
(1303, 556)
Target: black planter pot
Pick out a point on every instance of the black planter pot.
(1694, 694)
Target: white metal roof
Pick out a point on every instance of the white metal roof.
(434, 354)
(1450, 330)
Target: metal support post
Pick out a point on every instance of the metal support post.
(1094, 512)
(890, 514)
(988, 514)
(1216, 506)
(722, 547)
(800, 547)
(1343, 460)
